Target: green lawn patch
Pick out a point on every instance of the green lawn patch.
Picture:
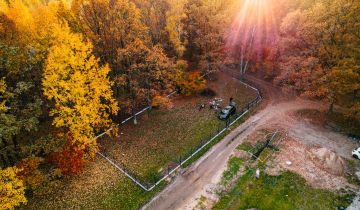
(246, 146)
(287, 191)
(234, 165)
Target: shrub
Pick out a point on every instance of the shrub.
(29, 172)
(161, 102)
(188, 82)
(69, 160)
(12, 190)
(192, 83)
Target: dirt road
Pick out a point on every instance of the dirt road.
(200, 178)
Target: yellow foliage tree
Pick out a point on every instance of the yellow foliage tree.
(162, 102)
(2, 98)
(12, 190)
(19, 13)
(188, 82)
(191, 83)
(174, 25)
(79, 87)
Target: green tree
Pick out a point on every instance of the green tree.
(25, 38)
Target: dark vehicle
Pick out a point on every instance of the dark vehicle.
(227, 112)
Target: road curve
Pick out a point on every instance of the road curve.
(203, 175)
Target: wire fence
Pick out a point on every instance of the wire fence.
(183, 160)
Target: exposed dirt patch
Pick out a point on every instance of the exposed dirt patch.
(314, 168)
(241, 154)
(316, 136)
(327, 160)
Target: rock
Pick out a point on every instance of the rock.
(358, 175)
(257, 173)
(289, 163)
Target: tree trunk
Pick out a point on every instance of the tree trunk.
(135, 120)
(134, 112)
(10, 158)
(331, 108)
(16, 147)
(3, 162)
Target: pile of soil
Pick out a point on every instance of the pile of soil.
(327, 160)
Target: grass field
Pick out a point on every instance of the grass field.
(159, 138)
(163, 136)
(287, 191)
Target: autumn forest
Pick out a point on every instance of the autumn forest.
(72, 69)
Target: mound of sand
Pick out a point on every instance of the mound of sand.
(327, 160)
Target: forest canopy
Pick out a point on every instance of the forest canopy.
(71, 69)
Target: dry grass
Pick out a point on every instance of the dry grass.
(162, 136)
(95, 180)
(158, 139)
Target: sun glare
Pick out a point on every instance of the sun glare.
(254, 22)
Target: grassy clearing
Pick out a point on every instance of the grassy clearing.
(158, 139)
(163, 136)
(126, 195)
(98, 186)
(287, 191)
